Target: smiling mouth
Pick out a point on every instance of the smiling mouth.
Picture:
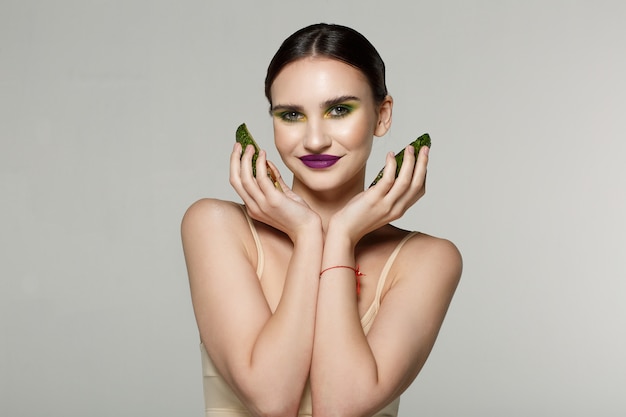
(319, 161)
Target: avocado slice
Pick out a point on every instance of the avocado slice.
(423, 140)
(243, 136)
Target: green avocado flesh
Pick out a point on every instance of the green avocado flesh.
(244, 137)
(423, 140)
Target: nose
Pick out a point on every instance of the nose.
(316, 139)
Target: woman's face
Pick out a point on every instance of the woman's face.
(324, 121)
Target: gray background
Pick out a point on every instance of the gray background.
(116, 115)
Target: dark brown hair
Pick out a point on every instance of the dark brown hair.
(333, 41)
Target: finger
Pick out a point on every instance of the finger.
(421, 168)
(410, 185)
(246, 177)
(246, 173)
(408, 164)
(263, 174)
(389, 173)
(277, 179)
(417, 187)
(281, 185)
(403, 181)
(235, 165)
(254, 185)
(246, 161)
(235, 176)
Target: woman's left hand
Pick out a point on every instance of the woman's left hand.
(386, 201)
(282, 209)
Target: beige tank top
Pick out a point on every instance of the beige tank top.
(221, 401)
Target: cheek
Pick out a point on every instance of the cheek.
(285, 138)
(355, 131)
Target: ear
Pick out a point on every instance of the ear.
(384, 116)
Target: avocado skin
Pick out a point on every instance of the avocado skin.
(243, 136)
(423, 140)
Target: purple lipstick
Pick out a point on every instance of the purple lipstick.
(319, 161)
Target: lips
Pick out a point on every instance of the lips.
(319, 161)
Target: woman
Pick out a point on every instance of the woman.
(308, 301)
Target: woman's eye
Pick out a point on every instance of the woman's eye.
(339, 111)
(291, 116)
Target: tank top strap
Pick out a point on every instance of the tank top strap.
(260, 263)
(389, 264)
(368, 318)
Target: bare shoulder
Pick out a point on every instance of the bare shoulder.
(210, 208)
(435, 248)
(429, 256)
(212, 213)
(215, 236)
(214, 225)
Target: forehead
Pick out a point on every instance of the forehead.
(316, 78)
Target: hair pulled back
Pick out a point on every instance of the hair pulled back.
(332, 41)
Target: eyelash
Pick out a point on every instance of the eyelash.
(336, 112)
(344, 111)
(291, 116)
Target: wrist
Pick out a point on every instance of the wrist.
(338, 236)
(357, 274)
(311, 228)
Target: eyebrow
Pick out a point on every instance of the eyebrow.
(326, 104)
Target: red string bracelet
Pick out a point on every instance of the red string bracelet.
(357, 274)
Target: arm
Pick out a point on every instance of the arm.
(356, 375)
(264, 357)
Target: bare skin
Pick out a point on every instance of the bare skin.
(291, 325)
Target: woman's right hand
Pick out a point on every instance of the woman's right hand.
(281, 209)
(386, 201)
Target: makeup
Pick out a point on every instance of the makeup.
(319, 161)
